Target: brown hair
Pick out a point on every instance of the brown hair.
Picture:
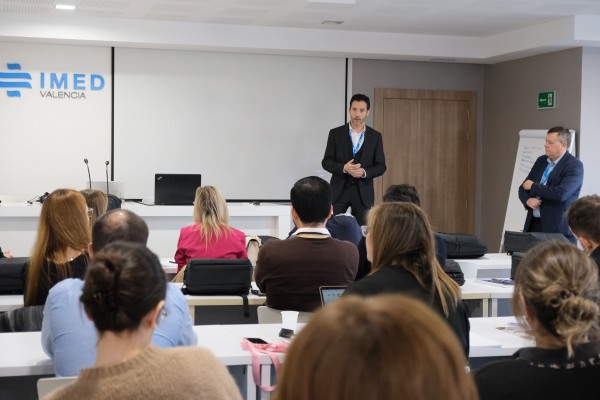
(124, 282)
(97, 200)
(401, 235)
(63, 224)
(211, 212)
(583, 217)
(559, 284)
(380, 347)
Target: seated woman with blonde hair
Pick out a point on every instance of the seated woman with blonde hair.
(59, 251)
(384, 347)
(401, 248)
(555, 299)
(210, 236)
(124, 294)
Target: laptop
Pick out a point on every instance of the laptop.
(176, 189)
(330, 293)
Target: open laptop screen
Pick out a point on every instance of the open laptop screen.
(176, 189)
(330, 293)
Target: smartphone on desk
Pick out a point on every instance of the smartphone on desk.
(255, 340)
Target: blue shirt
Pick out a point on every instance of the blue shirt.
(69, 337)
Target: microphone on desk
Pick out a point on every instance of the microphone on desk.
(106, 163)
(85, 160)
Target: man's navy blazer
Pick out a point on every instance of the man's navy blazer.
(561, 189)
(339, 151)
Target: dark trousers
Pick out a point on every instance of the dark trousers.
(350, 197)
(535, 225)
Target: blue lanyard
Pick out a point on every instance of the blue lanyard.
(358, 143)
(547, 172)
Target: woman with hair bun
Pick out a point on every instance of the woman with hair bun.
(555, 297)
(124, 294)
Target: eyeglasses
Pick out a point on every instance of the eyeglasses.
(365, 230)
(90, 211)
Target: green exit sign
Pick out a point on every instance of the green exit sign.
(546, 100)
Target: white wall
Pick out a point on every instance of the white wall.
(45, 139)
(250, 124)
(590, 120)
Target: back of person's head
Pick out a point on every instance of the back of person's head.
(564, 134)
(311, 199)
(118, 225)
(63, 223)
(559, 285)
(361, 97)
(583, 217)
(97, 200)
(400, 234)
(403, 192)
(211, 211)
(124, 282)
(380, 347)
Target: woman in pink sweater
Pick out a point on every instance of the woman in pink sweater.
(210, 236)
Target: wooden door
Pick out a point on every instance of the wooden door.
(429, 142)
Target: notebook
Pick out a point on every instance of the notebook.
(176, 189)
(330, 293)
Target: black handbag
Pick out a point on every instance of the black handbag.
(454, 271)
(460, 245)
(11, 275)
(218, 276)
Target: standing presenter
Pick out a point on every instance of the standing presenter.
(354, 156)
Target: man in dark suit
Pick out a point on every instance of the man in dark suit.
(552, 185)
(354, 156)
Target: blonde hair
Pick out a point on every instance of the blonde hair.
(401, 235)
(211, 212)
(97, 200)
(559, 284)
(63, 223)
(380, 347)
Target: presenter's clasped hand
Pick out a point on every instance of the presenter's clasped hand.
(533, 203)
(355, 170)
(527, 184)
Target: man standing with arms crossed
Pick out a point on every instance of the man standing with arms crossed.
(552, 185)
(354, 156)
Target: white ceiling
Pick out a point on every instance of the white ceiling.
(493, 29)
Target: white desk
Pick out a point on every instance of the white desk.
(488, 293)
(489, 341)
(12, 301)
(22, 353)
(19, 223)
(491, 265)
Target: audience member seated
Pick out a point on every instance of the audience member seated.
(97, 202)
(69, 337)
(583, 217)
(385, 348)
(210, 236)
(291, 271)
(124, 294)
(59, 250)
(401, 248)
(408, 193)
(555, 299)
(343, 227)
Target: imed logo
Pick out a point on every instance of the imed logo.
(13, 81)
(52, 85)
